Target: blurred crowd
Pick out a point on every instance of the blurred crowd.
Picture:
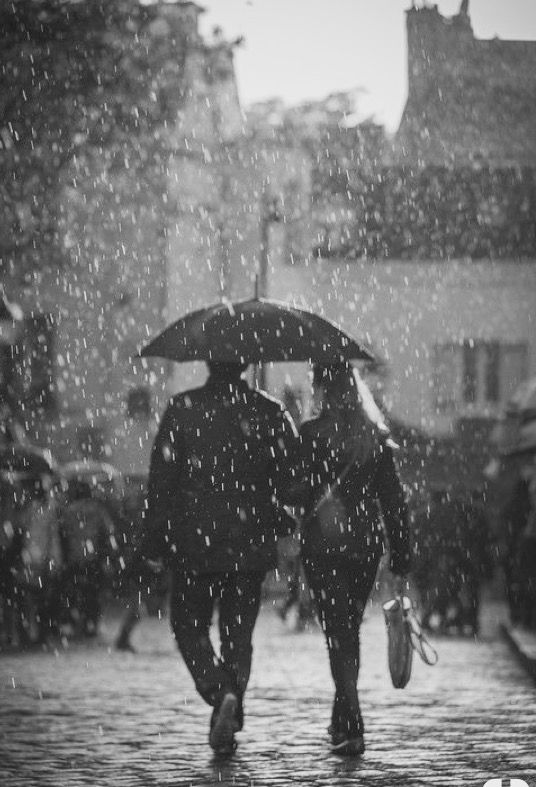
(518, 546)
(66, 536)
(67, 533)
(453, 556)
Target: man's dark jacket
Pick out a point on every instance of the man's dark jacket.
(219, 461)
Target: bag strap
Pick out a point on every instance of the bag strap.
(330, 487)
(419, 642)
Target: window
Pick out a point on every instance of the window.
(514, 368)
(476, 373)
(447, 376)
(139, 403)
(481, 372)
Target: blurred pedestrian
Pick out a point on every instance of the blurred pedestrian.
(40, 560)
(346, 477)
(527, 550)
(144, 589)
(11, 539)
(439, 556)
(132, 512)
(452, 558)
(477, 562)
(89, 547)
(147, 589)
(218, 462)
(298, 598)
(518, 519)
(298, 601)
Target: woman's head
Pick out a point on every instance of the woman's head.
(334, 386)
(355, 421)
(228, 371)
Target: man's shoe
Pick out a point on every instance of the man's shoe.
(347, 747)
(221, 736)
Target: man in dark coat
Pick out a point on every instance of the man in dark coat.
(219, 460)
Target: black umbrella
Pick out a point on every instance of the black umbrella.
(100, 476)
(255, 331)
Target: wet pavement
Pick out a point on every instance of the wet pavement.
(93, 716)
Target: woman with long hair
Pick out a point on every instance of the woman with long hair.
(351, 494)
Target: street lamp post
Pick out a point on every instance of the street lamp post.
(270, 214)
(11, 320)
(11, 317)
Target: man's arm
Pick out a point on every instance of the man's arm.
(286, 451)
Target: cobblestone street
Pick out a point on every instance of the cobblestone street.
(90, 715)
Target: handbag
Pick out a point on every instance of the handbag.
(285, 522)
(332, 516)
(404, 635)
(331, 512)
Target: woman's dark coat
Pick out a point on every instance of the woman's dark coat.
(371, 491)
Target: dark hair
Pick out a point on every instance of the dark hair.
(79, 489)
(347, 426)
(226, 370)
(323, 373)
(139, 402)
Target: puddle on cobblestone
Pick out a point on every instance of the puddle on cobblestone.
(95, 717)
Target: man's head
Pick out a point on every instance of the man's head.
(226, 371)
(334, 385)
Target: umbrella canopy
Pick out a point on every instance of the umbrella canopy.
(527, 438)
(516, 431)
(523, 402)
(20, 462)
(98, 475)
(89, 467)
(255, 331)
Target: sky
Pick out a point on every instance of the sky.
(306, 49)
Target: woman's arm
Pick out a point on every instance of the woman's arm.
(390, 494)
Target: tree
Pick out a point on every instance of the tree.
(83, 86)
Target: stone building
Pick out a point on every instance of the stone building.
(469, 100)
(154, 85)
(157, 215)
(439, 271)
(201, 204)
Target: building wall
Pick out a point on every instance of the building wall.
(215, 247)
(109, 295)
(137, 259)
(104, 304)
(132, 267)
(403, 310)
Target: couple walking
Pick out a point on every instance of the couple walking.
(225, 459)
